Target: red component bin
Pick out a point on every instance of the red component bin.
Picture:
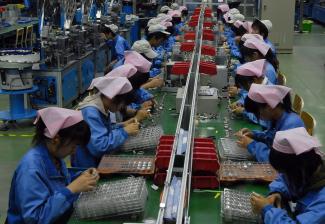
(187, 46)
(208, 24)
(204, 182)
(208, 50)
(193, 23)
(208, 36)
(208, 68)
(180, 68)
(190, 36)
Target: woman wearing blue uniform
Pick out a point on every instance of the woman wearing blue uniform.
(271, 103)
(108, 95)
(254, 49)
(116, 42)
(42, 190)
(247, 74)
(297, 157)
(263, 27)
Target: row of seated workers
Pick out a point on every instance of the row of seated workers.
(43, 190)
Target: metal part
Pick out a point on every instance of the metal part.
(229, 150)
(115, 198)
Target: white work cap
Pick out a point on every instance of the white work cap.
(164, 8)
(158, 28)
(268, 24)
(112, 27)
(235, 17)
(144, 47)
(174, 6)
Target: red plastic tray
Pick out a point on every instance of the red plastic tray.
(208, 24)
(198, 182)
(193, 23)
(208, 50)
(190, 36)
(208, 36)
(187, 46)
(180, 68)
(208, 68)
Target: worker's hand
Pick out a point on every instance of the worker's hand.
(233, 91)
(87, 181)
(147, 105)
(142, 114)
(245, 131)
(243, 141)
(157, 82)
(132, 129)
(275, 199)
(259, 202)
(238, 110)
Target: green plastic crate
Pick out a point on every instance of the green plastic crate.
(307, 25)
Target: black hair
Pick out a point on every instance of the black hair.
(125, 99)
(146, 31)
(241, 31)
(107, 30)
(185, 12)
(270, 57)
(78, 133)
(157, 35)
(171, 30)
(139, 79)
(298, 169)
(244, 81)
(176, 20)
(254, 107)
(262, 29)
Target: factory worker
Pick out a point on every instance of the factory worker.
(263, 27)
(171, 40)
(42, 190)
(108, 95)
(164, 9)
(254, 49)
(271, 103)
(117, 43)
(184, 11)
(247, 74)
(140, 95)
(156, 36)
(177, 21)
(297, 157)
(222, 9)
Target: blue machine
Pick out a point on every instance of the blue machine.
(86, 71)
(57, 87)
(101, 59)
(315, 9)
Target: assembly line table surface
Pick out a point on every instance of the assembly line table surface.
(204, 207)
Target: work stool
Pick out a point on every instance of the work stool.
(282, 80)
(309, 121)
(298, 104)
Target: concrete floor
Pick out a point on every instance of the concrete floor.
(304, 69)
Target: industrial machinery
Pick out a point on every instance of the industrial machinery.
(16, 81)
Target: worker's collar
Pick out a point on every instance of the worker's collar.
(50, 167)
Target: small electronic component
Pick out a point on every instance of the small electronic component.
(229, 150)
(116, 198)
(231, 171)
(147, 139)
(236, 207)
(127, 164)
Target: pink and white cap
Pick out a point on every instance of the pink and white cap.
(254, 68)
(182, 8)
(223, 8)
(166, 24)
(126, 70)
(296, 141)
(136, 59)
(238, 23)
(269, 94)
(247, 36)
(257, 44)
(226, 16)
(56, 118)
(248, 26)
(112, 86)
(175, 13)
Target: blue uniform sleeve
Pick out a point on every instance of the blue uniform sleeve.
(143, 96)
(154, 72)
(314, 213)
(264, 136)
(279, 185)
(134, 106)
(270, 73)
(103, 139)
(259, 150)
(120, 47)
(37, 205)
